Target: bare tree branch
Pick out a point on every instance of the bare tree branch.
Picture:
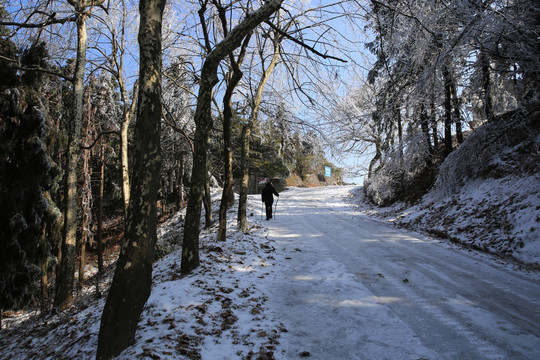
(168, 114)
(50, 21)
(301, 43)
(88, 147)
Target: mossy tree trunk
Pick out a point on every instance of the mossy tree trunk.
(132, 280)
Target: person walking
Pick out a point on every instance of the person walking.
(268, 198)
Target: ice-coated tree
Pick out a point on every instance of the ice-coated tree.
(435, 61)
(354, 127)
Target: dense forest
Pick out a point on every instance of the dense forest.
(115, 115)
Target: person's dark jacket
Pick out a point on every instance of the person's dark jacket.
(267, 192)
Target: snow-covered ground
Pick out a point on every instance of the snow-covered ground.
(486, 194)
(322, 280)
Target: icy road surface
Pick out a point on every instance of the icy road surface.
(355, 288)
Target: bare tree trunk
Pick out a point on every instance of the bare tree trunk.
(65, 280)
(447, 111)
(127, 116)
(246, 135)
(207, 197)
(433, 121)
(86, 193)
(132, 280)
(486, 84)
(203, 121)
(244, 170)
(100, 217)
(228, 196)
(83, 240)
(377, 157)
(424, 124)
(227, 157)
(457, 112)
(100, 209)
(397, 112)
(82, 255)
(118, 50)
(228, 184)
(181, 181)
(44, 284)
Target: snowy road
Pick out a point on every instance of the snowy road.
(348, 287)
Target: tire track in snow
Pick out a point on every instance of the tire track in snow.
(441, 301)
(395, 286)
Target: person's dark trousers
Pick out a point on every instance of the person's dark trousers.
(268, 211)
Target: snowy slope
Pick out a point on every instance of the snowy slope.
(216, 312)
(321, 280)
(487, 192)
